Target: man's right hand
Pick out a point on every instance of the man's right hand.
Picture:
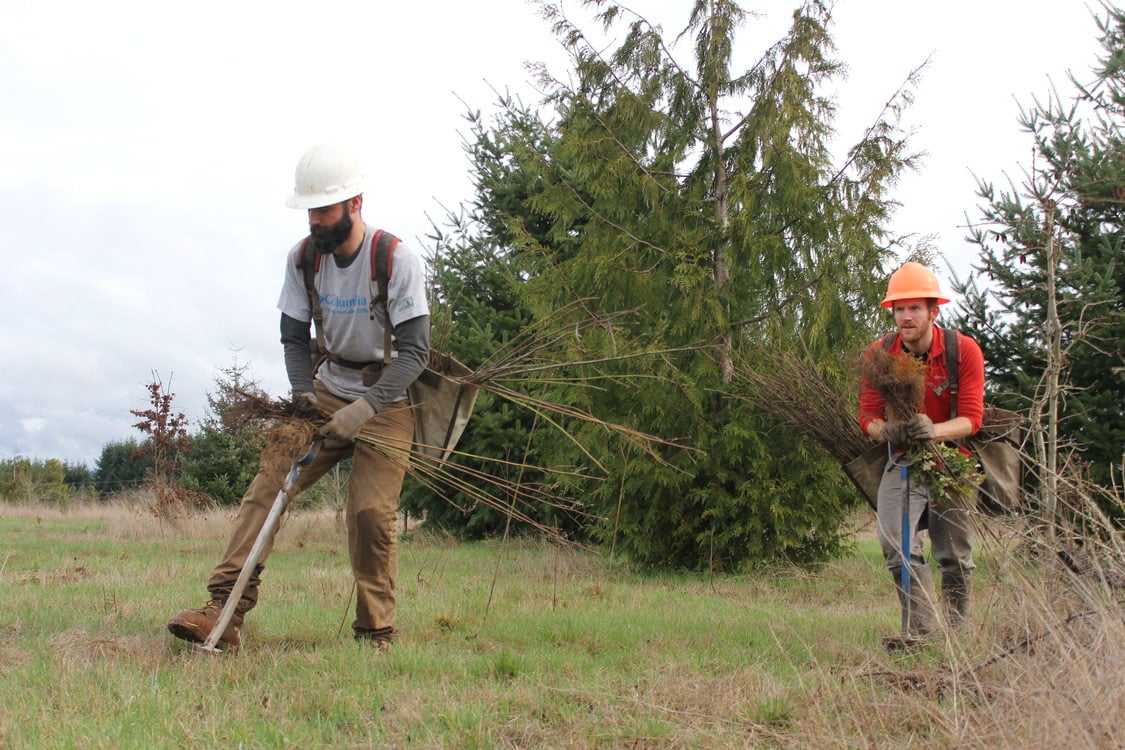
(306, 400)
(921, 428)
(347, 421)
(895, 433)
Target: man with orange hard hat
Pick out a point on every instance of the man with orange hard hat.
(914, 296)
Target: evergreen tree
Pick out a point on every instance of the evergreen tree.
(223, 460)
(478, 274)
(119, 467)
(707, 203)
(1072, 201)
(81, 481)
(78, 475)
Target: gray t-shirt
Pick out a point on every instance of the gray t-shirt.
(345, 294)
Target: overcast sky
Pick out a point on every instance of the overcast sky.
(146, 150)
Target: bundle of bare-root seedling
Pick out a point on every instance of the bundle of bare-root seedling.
(540, 357)
(901, 381)
(799, 393)
(289, 425)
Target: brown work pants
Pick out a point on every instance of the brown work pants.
(373, 495)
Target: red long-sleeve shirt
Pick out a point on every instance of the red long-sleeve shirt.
(937, 402)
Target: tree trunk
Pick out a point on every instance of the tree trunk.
(1049, 486)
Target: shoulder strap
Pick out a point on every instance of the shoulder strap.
(952, 367)
(889, 340)
(308, 260)
(383, 246)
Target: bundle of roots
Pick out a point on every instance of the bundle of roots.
(799, 393)
(288, 424)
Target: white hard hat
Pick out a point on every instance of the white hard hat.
(325, 175)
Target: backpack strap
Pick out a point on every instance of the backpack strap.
(952, 373)
(308, 260)
(383, 246)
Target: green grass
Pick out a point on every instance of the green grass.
(504, 644)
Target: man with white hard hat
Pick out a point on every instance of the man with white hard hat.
(365, 396)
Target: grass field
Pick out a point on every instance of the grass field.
(527, 644)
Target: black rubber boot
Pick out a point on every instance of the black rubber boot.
(955, 598)
(922, 622)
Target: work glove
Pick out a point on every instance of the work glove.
(346, 422)
(306, 400)
(921, 428)
(896, 433)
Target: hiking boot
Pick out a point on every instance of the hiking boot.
(195, 625)
(382, 642)
(893, 643)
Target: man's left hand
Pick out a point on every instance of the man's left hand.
(347, 421)
(921, 428)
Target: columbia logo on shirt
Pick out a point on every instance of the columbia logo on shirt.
(334, 305)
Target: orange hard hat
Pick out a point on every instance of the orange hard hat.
(913, 281)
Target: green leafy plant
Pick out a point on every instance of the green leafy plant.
(946, 471)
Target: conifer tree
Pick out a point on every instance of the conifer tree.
(121, 466)
(1072, 202)
(223, 460)
(478, 273)
(706, 201)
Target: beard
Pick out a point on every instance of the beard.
(327, 238)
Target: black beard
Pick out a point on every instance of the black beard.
(327, 239)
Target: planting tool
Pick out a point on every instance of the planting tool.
(905, 640)
(210, 646)
(904, 576)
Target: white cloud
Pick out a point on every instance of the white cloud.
(146, 150)
(33, 425)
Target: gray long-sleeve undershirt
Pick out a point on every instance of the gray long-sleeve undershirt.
(413, 347)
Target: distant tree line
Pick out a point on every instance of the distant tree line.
(212, 460)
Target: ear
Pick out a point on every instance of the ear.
(355, 204)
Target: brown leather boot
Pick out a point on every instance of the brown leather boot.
(195, 625)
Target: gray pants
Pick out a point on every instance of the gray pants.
(950, 527)
(951, 537)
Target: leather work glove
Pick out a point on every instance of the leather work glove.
(921, 428)
(896, 433)
(345, 423)
(307, 400)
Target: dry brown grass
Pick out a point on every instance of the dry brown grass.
(1038, 666)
